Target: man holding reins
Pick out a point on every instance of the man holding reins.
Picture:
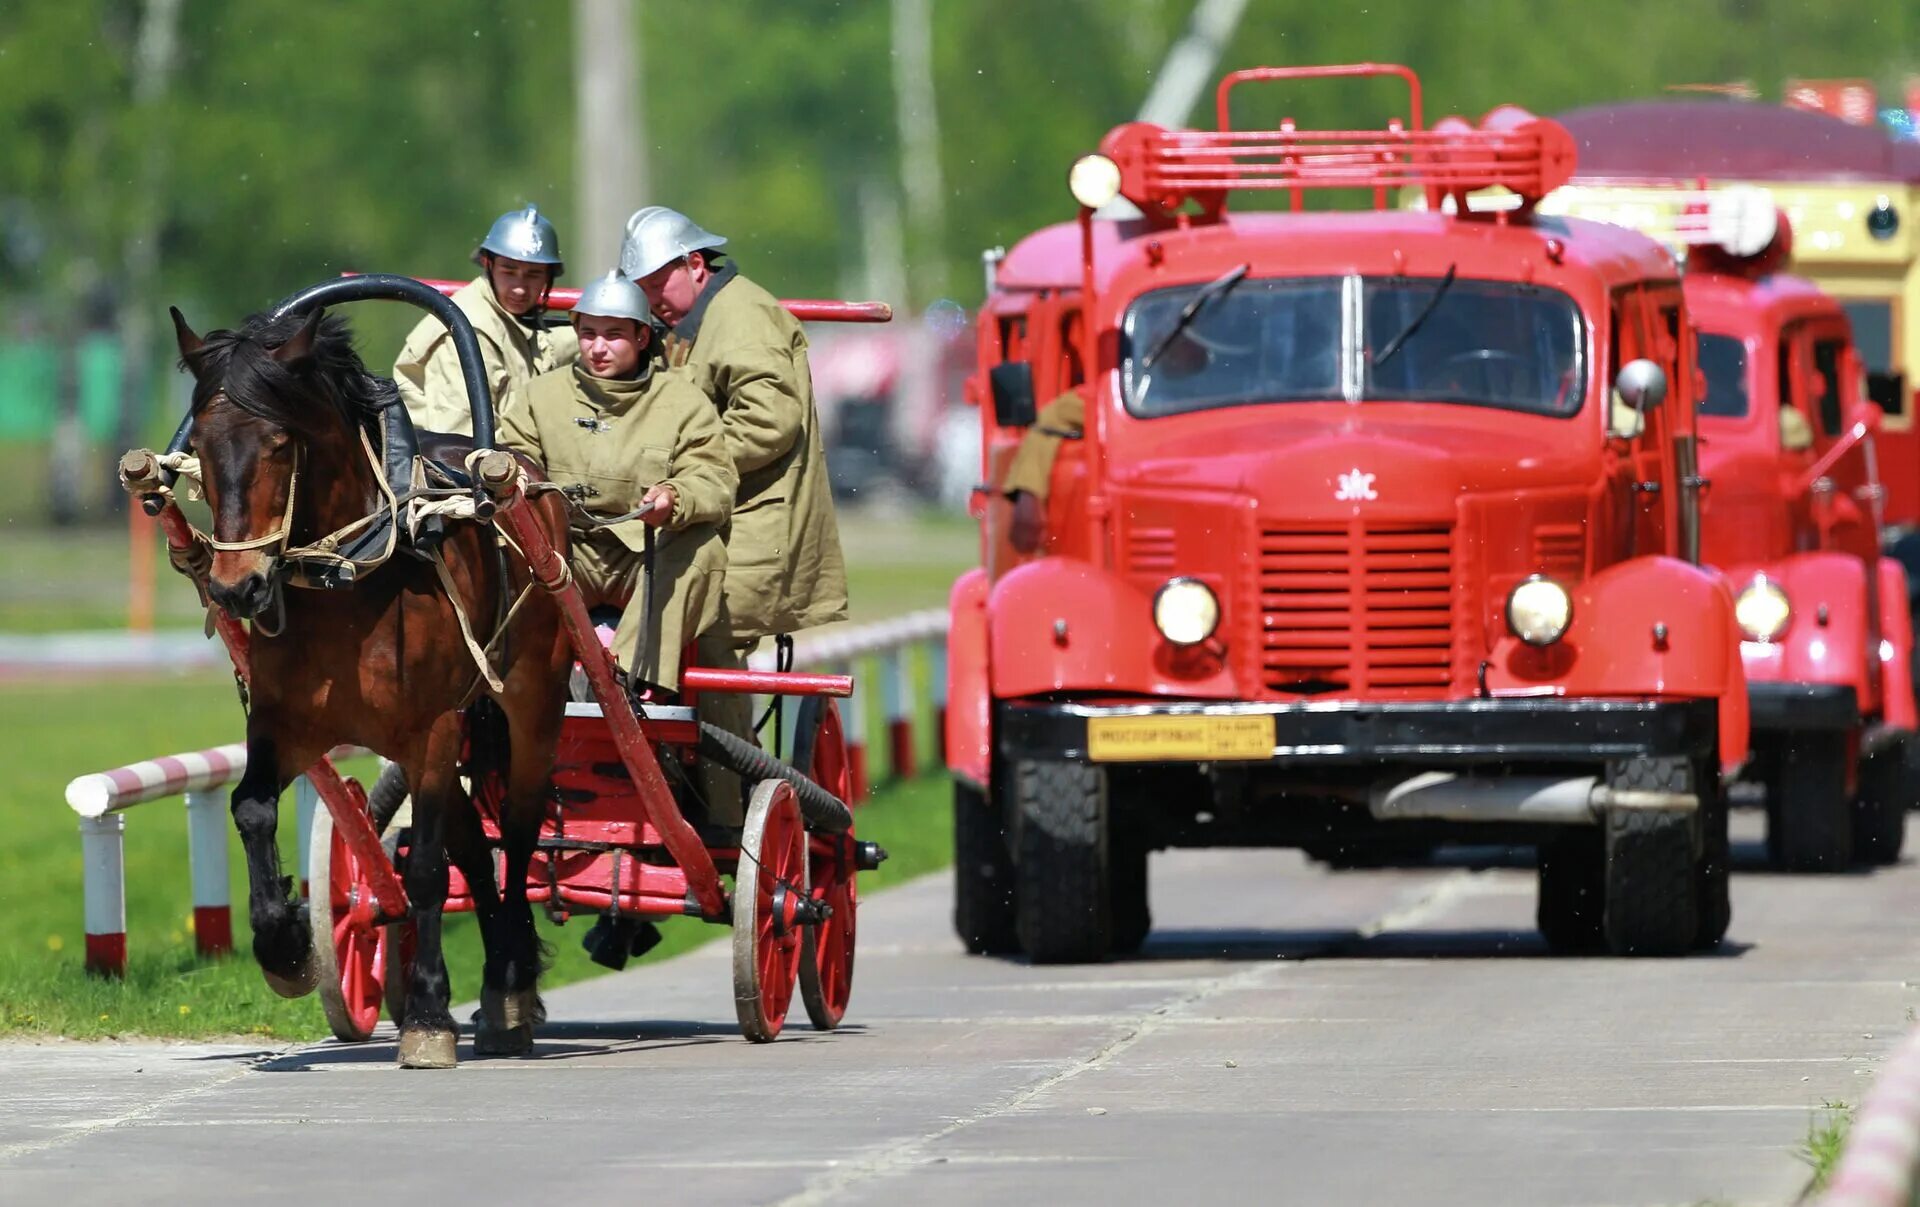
(743, 349)
(519, 261)
(641, 448)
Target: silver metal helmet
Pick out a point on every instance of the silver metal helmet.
(523, 235)
(657, 236)
(614, 297)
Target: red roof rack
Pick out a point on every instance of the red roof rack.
(1161, 169)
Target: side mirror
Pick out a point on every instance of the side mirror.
(1012, 386)
(1642, 385)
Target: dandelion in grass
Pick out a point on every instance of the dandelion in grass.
(185, 1010)
(55, 942)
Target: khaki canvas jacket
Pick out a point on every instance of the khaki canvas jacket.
(428, 368)
(749, 355)
(611, 440)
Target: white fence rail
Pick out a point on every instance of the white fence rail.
(906, 656)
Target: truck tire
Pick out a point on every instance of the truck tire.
(1889, 785)
(1653, 865)
(1713, 870)
(983, 913)
(1809, 818)
(1651, 894)
(1127, 895)
(1573, 885)
(1062, 894)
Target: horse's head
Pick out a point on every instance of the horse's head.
(269, 410)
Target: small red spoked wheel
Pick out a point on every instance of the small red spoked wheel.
(826, 962)
(769, 895)
(349, 943)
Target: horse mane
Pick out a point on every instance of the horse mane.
(239, 362)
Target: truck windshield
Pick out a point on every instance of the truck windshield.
(1483, 343)
(1723, 359)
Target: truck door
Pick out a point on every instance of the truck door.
(1646, 326)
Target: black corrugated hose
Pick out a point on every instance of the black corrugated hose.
(823, 810)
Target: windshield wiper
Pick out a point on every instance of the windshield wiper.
(1426, 312)
(1217, 288)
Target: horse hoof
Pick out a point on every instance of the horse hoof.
(424, 1049)
(489, 1040)
(299, 983)
(512, 1009)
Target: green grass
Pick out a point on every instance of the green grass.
(1826, 1140)
(55, 733)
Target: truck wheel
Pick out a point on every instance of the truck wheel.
(1132, 918)
(1809, 819)
(1713, 870)
(983, 913)
(1889, 784)
(1573, 885)
(1062, 892)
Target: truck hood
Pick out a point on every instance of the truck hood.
(1388, 458)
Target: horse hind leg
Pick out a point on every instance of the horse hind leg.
(282, 933)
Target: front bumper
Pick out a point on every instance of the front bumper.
(1438, 733)
(1795, 707)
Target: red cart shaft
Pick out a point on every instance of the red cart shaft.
(765, 683)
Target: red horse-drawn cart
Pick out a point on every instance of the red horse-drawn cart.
(615, 840)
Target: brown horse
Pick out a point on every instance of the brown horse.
(279, 410)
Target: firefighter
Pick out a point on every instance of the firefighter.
(749, 355)
(633, 441)
(519, 261)
(1030, 471)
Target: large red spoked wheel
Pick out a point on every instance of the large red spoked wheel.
(349, 944)
(769, 895)
(826, 961)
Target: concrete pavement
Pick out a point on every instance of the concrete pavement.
(1290, 1035)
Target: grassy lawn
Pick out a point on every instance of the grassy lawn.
(53, 734)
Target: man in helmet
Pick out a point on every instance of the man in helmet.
(644, 448)
(519, 261)
(749, 355)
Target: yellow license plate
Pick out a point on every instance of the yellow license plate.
(1177, 739)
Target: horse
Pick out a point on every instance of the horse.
(281, 407)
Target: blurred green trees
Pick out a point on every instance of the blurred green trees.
(294, 140)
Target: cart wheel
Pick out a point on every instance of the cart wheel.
(826, 961)
(349, 948)
(768, 888)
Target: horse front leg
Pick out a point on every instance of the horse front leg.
(282, 934)
(428, 1037)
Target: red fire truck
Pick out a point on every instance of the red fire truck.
(1382, 528)
(1791, 517)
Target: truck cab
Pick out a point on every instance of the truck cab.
(1381, 529)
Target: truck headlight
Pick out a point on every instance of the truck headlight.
(1185, 611)
(1762, 610)
(1094, 180)
(1539, 611)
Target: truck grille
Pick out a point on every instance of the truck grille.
(1357, 608)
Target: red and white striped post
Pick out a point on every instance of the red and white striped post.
(103, 866)
(896, 687)
(854, 722)
(98, 799)
(207, 860)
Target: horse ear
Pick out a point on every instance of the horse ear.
(299, 346)
(190, 344)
